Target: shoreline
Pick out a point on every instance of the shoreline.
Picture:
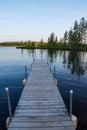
(52, 48)
(62, 48)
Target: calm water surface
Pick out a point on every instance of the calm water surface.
(71, 72)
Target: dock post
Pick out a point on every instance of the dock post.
(73, 117)
(8, 120)
(71, 98)
(54, 71)
(50, 66)
(25, 72)
(9, 104)
(47, 60)
(25, 79)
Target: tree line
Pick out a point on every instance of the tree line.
(77, 34)
(75, 38)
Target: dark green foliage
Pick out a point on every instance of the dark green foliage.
(70, 38)
(65, 38)
(76, 36)
(83, 29)
(56, 40)
(32, 44)
(52, 39)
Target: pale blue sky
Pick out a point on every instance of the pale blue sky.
(35, 19)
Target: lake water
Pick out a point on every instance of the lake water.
(71, 72)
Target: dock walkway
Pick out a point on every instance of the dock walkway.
(41, 106)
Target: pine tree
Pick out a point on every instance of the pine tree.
(83, 29)
(76, 33)
(70, 38)
(56, 40)
(52, 40)
(65, 38)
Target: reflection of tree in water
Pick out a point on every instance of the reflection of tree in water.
(33, 54)
(64, 58)
(73, 62)
(52, 54)
(30, 52)
(22, 51)
(43, 53)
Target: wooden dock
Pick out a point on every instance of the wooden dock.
(41, 106)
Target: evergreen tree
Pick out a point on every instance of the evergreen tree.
(76, 33)
(52, 40)
(65, 38)
(70, 38)
(56, 40)
(76, 26)
(83, 29)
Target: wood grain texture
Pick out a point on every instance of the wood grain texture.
(41, 106)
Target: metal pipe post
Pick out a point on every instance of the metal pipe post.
(9, 104)
(71, 102)
(50, 66)
(54, 72)
(25, 72)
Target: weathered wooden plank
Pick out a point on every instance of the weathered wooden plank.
(41, 124)
(41, 114)
(41, 106)
(40, 101)
(45, 128)
(37, 119)
(41, 110)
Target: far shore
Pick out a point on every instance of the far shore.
(58, 46)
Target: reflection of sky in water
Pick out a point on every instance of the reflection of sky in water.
(11, 54)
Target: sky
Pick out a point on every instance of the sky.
(22, 20)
